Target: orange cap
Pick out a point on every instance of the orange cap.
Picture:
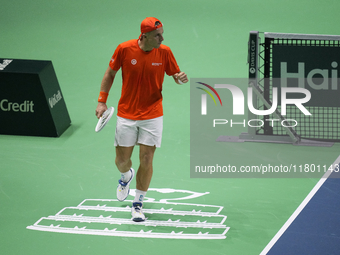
(149, 24)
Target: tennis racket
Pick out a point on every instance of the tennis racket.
(104, 119)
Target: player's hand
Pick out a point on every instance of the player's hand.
(181, 77)
(101, 108)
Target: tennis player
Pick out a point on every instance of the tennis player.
(144, 62)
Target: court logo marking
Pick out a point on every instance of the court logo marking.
(167, 218)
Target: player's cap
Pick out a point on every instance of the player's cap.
(149, 24)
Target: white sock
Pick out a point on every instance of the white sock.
(125, 177)
(139, 197)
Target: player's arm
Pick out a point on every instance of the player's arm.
(180, 78)
(105, 87)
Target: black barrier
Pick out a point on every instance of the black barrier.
(31, 101)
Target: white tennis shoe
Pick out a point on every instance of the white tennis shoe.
(137, 213)
(123, 188)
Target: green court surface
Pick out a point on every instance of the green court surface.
(41, 176)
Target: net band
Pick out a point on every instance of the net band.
(301, 36)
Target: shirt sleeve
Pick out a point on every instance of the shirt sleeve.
(116, 60)
(171, 67)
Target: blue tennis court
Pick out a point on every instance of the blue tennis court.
(314, 228)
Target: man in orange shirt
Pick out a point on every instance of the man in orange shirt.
(144, 63)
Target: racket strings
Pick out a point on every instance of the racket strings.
(105, 116)
(104, 119)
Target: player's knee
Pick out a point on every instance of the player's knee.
(146, 159)
(121, 162)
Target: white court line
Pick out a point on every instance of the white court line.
(298, 210)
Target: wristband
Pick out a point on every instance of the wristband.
(103, 97)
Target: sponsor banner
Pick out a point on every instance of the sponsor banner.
(315, 68)
(31, 101)
(5, 63)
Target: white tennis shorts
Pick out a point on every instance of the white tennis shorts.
(134, 132)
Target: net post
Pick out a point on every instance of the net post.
(253, 72)
(262, 95)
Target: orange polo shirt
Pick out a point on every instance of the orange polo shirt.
(143, 75)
